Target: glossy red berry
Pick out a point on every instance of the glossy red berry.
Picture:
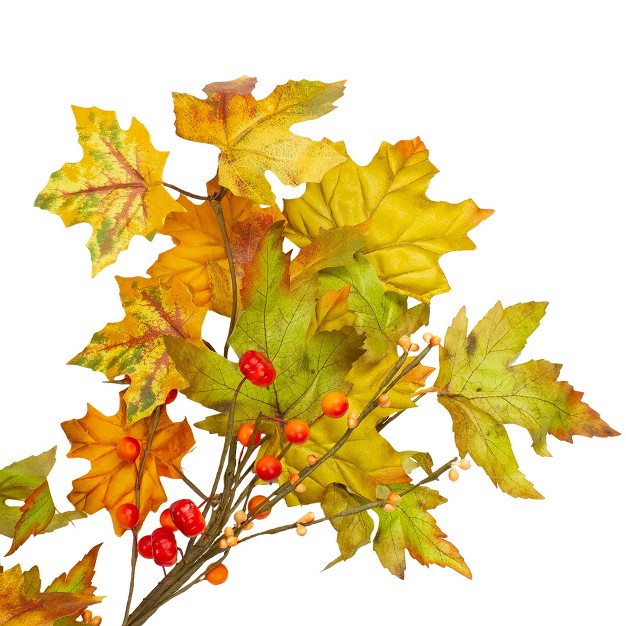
(244, 434)
(268, 468)
(164, 548)
(171, 396)
(187, 517)
(144, 547)
(256, 502)
(127, 515)
(334, 404)
(257, 368)
(165, 519)
(128, 449)
(297, 431)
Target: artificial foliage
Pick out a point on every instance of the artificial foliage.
(327, 297)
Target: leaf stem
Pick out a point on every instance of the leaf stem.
(187, 193)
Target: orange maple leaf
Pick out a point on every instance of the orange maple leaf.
(111, 481)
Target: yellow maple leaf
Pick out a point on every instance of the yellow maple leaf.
(198, 260)
(116, 187)
(408, 232)
(134, 346)
(253, 135)
(110, 481)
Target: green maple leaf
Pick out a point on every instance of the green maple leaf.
(483, 391)
(410, 526)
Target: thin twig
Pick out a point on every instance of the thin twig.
(186, 193)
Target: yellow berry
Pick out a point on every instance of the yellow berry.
(232, 541)
(301, 530)
(453, 474)
(435, 341)
(311, 459)
(86, 615)
(405, 342)
(427, 337)
(240, 517)
(464, 464)
(301, 488)
(222, 543)
(384, 401)
(389, 508)
(393, 498)
(228, 531)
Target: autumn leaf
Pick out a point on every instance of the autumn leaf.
(410, 526)
(198, 260)
(483, 391)
(134, 346)
(116, 187)
(26, 480)
(110, 481)
(353, 531)
(408, 233)
(253, 135)
(331, 312)
(18, 608)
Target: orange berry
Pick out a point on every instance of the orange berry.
(86, 615)
(165, 519)
(249, 526)
(301, 488)
(464, 464)
(95, 621)
(307, 518)
(453, 474)
(217, 575)
(405, 342)
(301, 530)
(334, 404)
(293, 478)
(228, 531)
(256, 502)
(232, 541)
(427, 337)
(393, 498)
(414, 347)
(384, 401)
(389, 508)
(311, 459)
(435, 341)
(222, 544)
(240, 517)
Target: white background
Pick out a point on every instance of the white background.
(521, 105)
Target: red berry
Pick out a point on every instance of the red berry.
(334, 404)
(256, 502)
(257, 368)
(244, 434)
(144, 547)
(127, 515)
(171, 396)
(164, 548)
(128, 449)
(268, 468)
(296, 431)
(187, 517)
(165, 519)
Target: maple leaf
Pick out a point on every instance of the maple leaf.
(135, 346)
(331, 312)
(410, 526)
(408, 232)
(353, 531)
(110, 481)
(116, 187)
(22, 604)
(483, 391)
(253, 135)
(26, 480)
(198, 260)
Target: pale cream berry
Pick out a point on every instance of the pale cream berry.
(389, 508)
(307, 518)
(414, 348)
(228, 531)
(249, 526)
(301, 530)
(311, 459)
(353, 422)
(453, 474)
(384, 401)
(393, 498)
(428, 337)
(232, 541)
(301, 488)
(464, 464)
(435, 341)
(294, 478)
(405, 342)
(240, 517)
(222, 543)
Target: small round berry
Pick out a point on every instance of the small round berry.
(334, 404)
(301, 488)
(297, 431)
(435, 341)
(268, 468)
(240, 517)
(86, 615)
(217, 575)
(301, 530)
(232, 541)
(229, 531)
(307, 518)
(249, 526)
(187, 518)
(127, 515)
(353, 422)
(384, 401)
(144, 547)
(414, 347)
(164, 549)
(453, 474)
(165, 519)
(389, 508)
(257, 368)
(428, 337)
(255, 503)
(293, 478)
(222, 543)
(393, 498)
(171, 396)
(464, 464)
(244, 434)
(128, 449)
(311, 459)
(95, 621)
(405, 342)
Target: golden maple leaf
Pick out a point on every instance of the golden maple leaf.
(198, 260)
(134, 346)
(408, 232)
(253, 135)
(111, 481)
(116, 187)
